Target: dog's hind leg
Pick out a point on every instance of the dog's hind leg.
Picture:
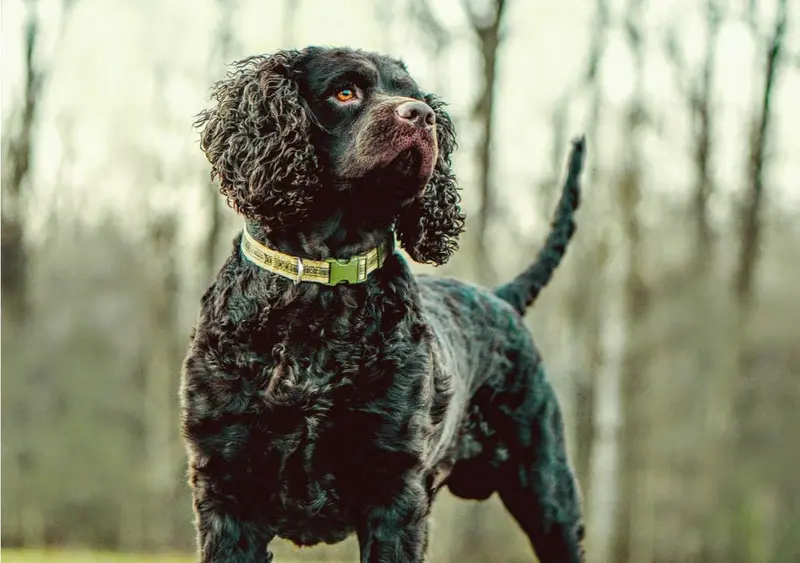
(536, 483)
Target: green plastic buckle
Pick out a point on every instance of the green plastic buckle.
(343, 271)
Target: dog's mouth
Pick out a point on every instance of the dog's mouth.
(415, 160)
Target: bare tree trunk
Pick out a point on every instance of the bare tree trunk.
(700, 102)
(707, 341)
(487, 30)
(746, 533)
(750, 234)
(634, 529)
(603, 501)
(17, 153)
(617, 506)
(589, 339)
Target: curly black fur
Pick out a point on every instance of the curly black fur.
(313, 412)
(257, 138)
(429, 225)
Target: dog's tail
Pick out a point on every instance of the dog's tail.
(523, 290)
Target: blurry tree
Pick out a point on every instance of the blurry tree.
(697, 90)
(634, 532)
(747, 531)
(163, 340)
(707, 344)
(700, 98)
(751, 209)
(486, 24)
(17, 149)
(18, 142)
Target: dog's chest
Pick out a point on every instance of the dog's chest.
(335, 458)
(340, 421)
(312, 408)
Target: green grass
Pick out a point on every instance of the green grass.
(91, 556)
(77, 556)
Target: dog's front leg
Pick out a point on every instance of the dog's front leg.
(225, 533)
(396, 531)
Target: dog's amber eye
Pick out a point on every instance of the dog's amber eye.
(345, 94)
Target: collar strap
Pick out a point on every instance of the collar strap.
(331, 271)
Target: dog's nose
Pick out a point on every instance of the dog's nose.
(419, 114)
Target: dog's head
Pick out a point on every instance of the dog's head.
(294, 133)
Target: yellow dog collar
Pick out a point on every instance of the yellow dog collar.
(331, 271)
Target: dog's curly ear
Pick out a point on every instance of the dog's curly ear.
(429, 226)
(257, 139)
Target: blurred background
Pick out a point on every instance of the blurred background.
(671, 331)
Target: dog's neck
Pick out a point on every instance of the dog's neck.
(352, 220)
(340, 228)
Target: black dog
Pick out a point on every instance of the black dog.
(312, 411)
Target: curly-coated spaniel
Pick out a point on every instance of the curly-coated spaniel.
(328, 390)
